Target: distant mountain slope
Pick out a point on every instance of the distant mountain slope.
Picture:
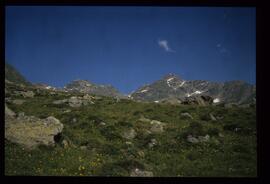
(173, 87)
(12, 75)
(85, 86)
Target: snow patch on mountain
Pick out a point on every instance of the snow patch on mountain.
(143, 91)
(168, 80)
(182, 83)
(196, 92)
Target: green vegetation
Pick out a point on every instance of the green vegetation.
(99, 149)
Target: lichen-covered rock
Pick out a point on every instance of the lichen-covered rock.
(31, 131)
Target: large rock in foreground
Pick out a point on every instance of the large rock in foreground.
(30, 131)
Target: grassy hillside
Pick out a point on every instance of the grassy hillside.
(99, 148)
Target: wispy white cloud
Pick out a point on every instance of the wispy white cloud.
(164, 44)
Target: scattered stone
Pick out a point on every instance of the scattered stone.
(130, 134)
(66, 111)
(220, 135)
(75, 102)
(138, 172)
(148, 132)
(157, 126)
(237, 129)
(83, 147)
(220, 117)
(192, 139)
(88, 97)
(186, 114)
(18, 101)
(141, 154)
(102, 123)
(204, 138)
(20, 115)
(212, 117)
(97, 98)
(27, 94)
(117, 99)
(74, 120)
(65, 143)
(152, 143)
(143, 119)
(57, 102)
(128, 143)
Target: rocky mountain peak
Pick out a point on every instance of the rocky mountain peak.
(171, 76)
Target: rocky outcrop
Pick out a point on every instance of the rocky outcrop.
(30, 131)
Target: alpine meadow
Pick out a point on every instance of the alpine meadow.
(130, 91)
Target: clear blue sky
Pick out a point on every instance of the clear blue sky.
(131, 46)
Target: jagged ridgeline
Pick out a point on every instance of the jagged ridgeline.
(173, 88)
(13, 75)
(85, 86)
